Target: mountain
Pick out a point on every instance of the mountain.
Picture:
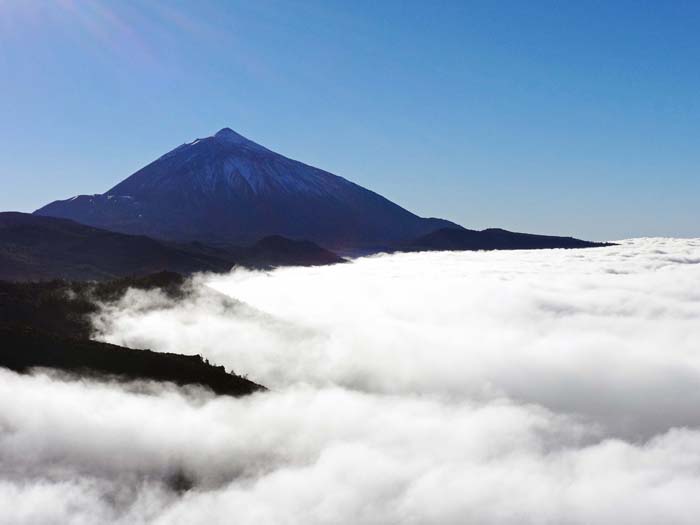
(42, 248)
(493, 239)
(228, 189)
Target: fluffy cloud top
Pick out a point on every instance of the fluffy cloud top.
(504, 387)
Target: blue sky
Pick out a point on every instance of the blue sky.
(577, 118)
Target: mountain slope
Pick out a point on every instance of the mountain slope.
(48, 325)
(42, 248)
(226, 188)
(493, 239)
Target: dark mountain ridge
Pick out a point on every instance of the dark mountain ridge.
(34, 247)
(47, 325)
(24, 349)
(451, 239)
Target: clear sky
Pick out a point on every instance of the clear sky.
(556, 117)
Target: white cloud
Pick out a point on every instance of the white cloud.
(587, 331)
(504, 387)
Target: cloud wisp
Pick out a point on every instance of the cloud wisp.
(505, 387)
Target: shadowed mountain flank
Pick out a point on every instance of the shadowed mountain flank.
(47, 325)
(36, 248)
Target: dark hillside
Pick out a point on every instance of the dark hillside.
(47, 325)
(23, 349)
(36, 248)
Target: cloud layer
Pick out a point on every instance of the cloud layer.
(505, 387)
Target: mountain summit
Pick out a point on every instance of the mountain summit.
(227, 188)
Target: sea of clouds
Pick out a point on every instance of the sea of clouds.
(553, 386)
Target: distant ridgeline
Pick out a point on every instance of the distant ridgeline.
(36, 248)
(42, 325)
(493, 239)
